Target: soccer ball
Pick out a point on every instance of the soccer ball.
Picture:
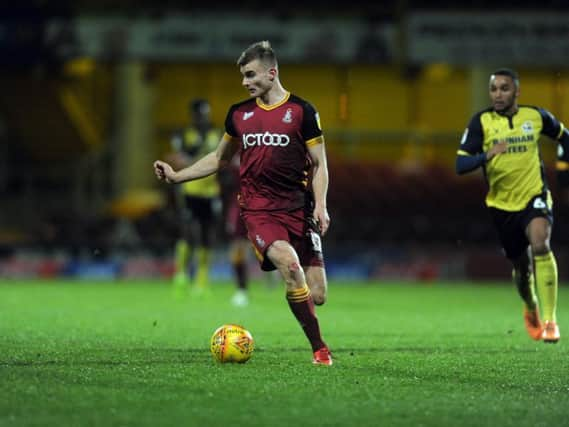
(232, 344)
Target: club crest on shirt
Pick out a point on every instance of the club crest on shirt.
(527, 127)
(287, 118)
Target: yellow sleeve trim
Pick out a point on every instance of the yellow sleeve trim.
(315, 141)
(463, 153)
(230, 138)
(561, 130)
(561, 166)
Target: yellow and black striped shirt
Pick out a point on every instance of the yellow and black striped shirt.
(517, 175)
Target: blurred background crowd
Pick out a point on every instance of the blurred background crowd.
(92, 92)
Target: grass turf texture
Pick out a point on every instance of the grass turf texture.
(76, 353)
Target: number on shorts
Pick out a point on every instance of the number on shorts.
(538, 203)
(316, 242)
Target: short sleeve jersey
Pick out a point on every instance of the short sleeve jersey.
(517, 175)
(273, 148)
(195, 144)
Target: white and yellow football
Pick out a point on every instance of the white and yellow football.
(232, 344)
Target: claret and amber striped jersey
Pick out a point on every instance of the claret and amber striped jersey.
(517, 175)
(273, 147)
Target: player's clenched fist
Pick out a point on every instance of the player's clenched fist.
(164, 172)
(498, 148)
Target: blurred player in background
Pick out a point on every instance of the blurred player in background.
(198, 202)
(503, 140)
(235, 230)
(279, 141)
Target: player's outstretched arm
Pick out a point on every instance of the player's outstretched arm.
(320, 186)
(207, 165)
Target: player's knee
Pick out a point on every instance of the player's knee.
(284, 257)
(316, 279)
(319, 298)
(294, 270)
(540, 247)
(319, 292)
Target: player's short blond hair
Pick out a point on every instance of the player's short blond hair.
(262, 51)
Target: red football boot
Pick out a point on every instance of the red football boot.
(322, 357)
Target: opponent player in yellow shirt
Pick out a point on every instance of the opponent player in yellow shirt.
(198, 201)
(503, 140)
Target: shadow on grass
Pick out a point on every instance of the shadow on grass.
(164, 356)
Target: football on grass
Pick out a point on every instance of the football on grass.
(232, 344)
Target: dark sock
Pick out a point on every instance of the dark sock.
(302, 306)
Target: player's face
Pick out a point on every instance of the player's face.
(258, 78)
(503, 93)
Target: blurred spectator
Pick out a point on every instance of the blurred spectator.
(61, 44)
(323, 47)
(372, 47)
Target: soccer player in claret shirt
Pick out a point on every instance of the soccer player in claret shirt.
(503, 140)
(283, 184)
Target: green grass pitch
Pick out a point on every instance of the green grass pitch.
(128, 354)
